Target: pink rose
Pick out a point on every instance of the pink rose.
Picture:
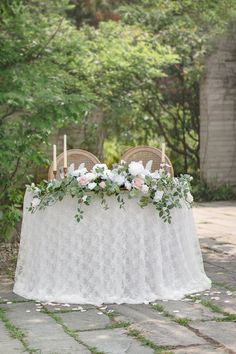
(137, 183)
(82, 181)
(102, 184)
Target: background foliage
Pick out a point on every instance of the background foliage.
(138, 63)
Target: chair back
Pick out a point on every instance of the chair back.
(145, 154)
(76, 156)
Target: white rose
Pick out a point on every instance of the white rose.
(92, 185)
(128, 185)
(158, 196)
(136, 168)
(35, 202)
(102, 184)
(119, 179)
(189, 197)
(145, 189)
(91, 176)
(108, 175)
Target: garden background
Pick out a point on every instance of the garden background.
(113, 74)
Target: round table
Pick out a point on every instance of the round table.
(112, 256)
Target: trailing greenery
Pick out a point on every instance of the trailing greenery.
(158, 188)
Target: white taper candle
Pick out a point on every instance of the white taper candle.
(54, 157)
(65, 151)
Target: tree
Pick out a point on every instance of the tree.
(52, 75)
(188, 28)
(38, 92)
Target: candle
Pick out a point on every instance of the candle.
(65, 152)
(54, 157)
(163, 148)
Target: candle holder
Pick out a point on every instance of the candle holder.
(65, 171)
(55, 174)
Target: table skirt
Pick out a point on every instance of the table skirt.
(112, 256)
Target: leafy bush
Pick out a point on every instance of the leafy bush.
(204, 192)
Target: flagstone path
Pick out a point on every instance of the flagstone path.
(204, 323)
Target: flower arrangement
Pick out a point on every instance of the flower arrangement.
(158, 188)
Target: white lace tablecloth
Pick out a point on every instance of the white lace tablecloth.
(111, 256)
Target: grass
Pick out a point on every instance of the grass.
(119, 324)
(214, 308)
(181, 321)
(146, 342)
(71, 333)
(15, 332)
(228, 317)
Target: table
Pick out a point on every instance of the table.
(112, 256)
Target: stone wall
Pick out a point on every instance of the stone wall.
(218, 114)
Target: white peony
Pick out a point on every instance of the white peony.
(91, 176)
(92, 185)
(35, 202)
(115, 177)
(118, 179)
(145, 189)
(128, 185)
(158, 196)
(189, 197)
(136, 168)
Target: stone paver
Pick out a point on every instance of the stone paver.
(216, 227)
(155, 327)
(185, 309)
(222, 298)
(217, 220)
(221, 332)
(114, 341)
(42, 332)
(203, 349)
(80, 321)
(8, 345)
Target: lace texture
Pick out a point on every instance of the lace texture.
(112, 256)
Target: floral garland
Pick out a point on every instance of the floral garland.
(158, 188)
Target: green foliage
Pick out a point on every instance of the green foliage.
(38, 92)
(188, 27)
(159, 188)
(142, 70)
(212, 192)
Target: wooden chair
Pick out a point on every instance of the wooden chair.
(76, 156)
(145, 154)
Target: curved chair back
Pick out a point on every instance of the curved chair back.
(76, 156)
(145, 154)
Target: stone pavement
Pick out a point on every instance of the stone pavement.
(204, 323)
